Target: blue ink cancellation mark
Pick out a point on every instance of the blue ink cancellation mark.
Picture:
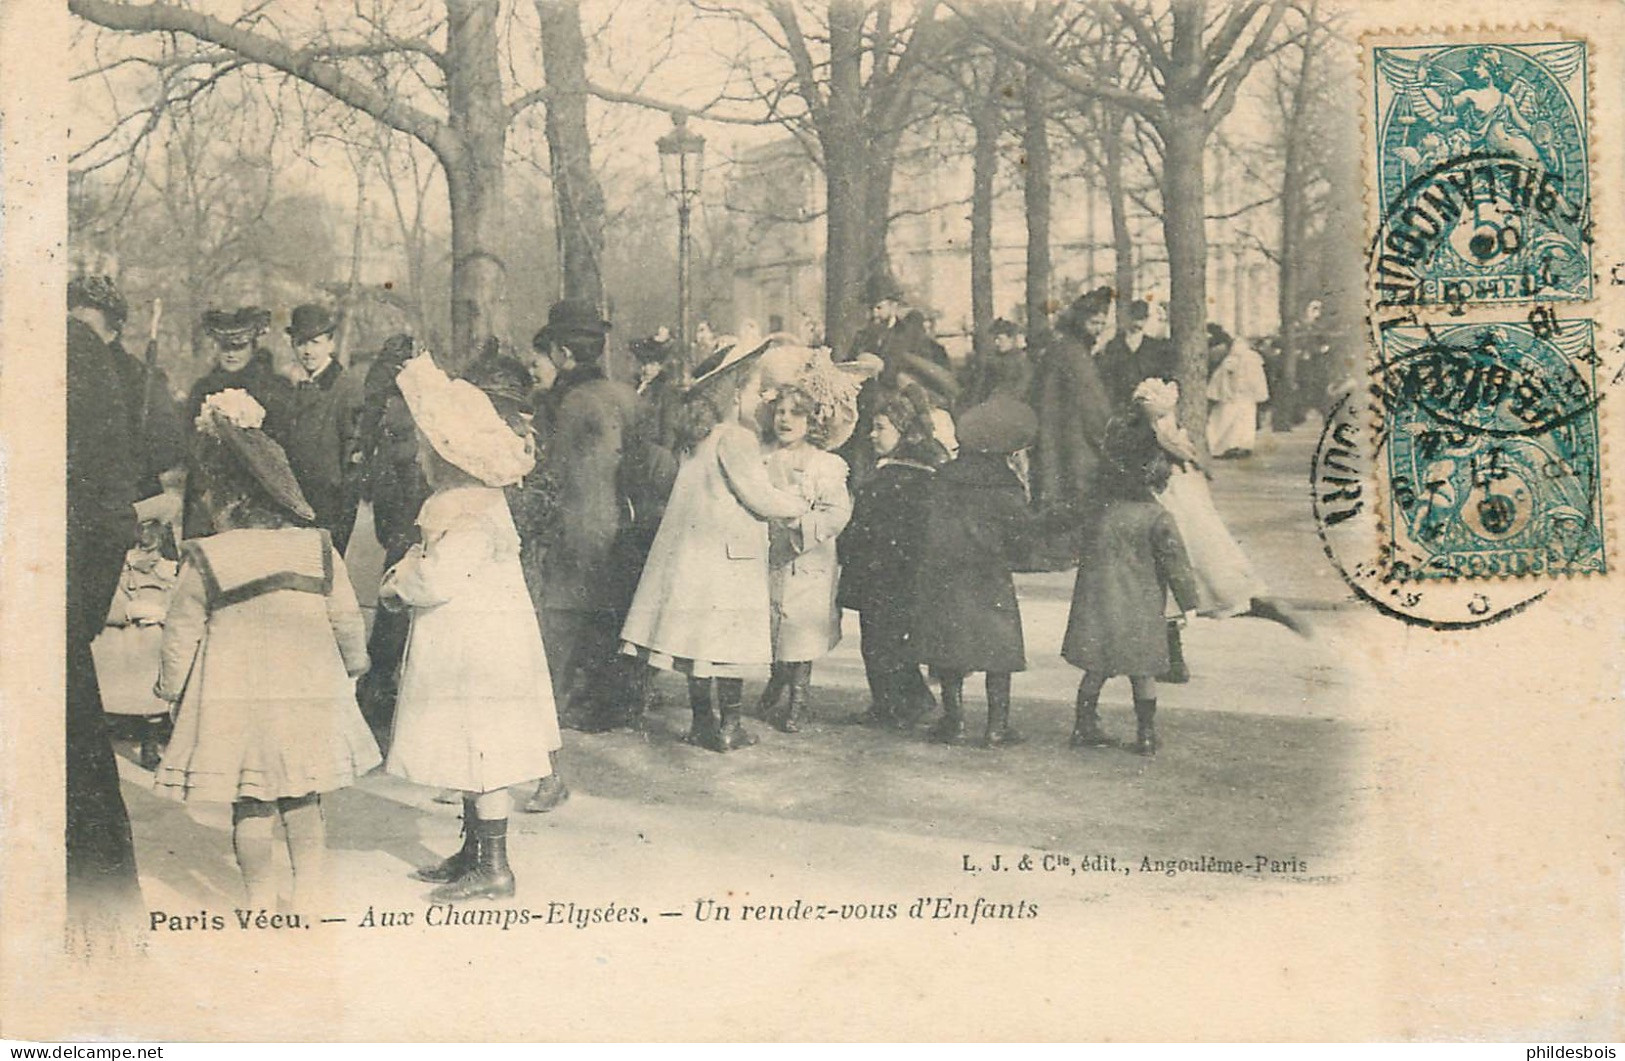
(1492, 452)
(1482, 167)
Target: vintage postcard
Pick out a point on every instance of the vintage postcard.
(812, 520)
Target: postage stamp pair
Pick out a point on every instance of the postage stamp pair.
(1486, 376)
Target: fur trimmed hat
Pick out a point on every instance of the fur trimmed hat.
(99, 292)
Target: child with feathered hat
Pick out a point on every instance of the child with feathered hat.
(264, 590)
(475, 708)
(812, 414)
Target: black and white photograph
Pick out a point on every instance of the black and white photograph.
(892, 520)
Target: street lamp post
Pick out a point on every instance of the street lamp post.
(682, 153)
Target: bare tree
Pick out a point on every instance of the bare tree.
(449, 96)
(842, 79)
(1197, 60)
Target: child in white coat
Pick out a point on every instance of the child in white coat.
(475, 710)
(264, 590)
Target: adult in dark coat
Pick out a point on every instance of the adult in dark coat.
(1073, 411)
(241, 364)
(660, 389)
(1132, 357)
(391, 480)
(161, 432)
(594, 450)
(966, 617)
(321, 443)
(879, 554)
(1007, 370)
(104, 463)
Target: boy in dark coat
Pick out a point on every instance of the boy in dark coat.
(966, 617)
(879, 553)
(1134, 559)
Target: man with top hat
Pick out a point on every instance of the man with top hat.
(321, 441)
(103, 467)
(243, 364)
(596, 456)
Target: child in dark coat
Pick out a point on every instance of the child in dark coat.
(1135, 557)
(966, 617)
(879, 553)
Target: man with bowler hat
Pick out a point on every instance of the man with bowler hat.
(321, 442)
(596, 458)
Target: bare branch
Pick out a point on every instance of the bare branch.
(1061, 74)
(308, 66)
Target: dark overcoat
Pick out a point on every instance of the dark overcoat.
(155, 419)
(1117, 624)
(966, 617)
(1123, 369)
(1073, 411)
(322, 440)
(103, 466)
(595, 426)
(880, 548)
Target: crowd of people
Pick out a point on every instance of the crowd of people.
(553, 537)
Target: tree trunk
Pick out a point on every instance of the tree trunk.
(1035, 189)
(578, 201)
(984, 167)
(352, 290)
(1184, 211)
(1293, 217)
(842, 138)
(879, 165)
(474, 179)
(1117, 200)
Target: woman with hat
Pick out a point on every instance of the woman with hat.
(810, 416)
(264, 590)
(966, 617)
(1073, 410)
(240, 364)
(475, 707)
(879, 551)
(702, 606)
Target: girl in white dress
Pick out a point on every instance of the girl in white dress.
(475, 710)
(813, 414)
(1226, 580)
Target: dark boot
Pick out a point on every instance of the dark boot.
(1086, 731)
(999, 732)
(777, 681)
(950, 728)
(153, 738)
(730, 702)
(800, 676)
(458, 864)
(551, 791)
(703, 732)
(491, 877)
(1146, 741)
(1178, 673)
